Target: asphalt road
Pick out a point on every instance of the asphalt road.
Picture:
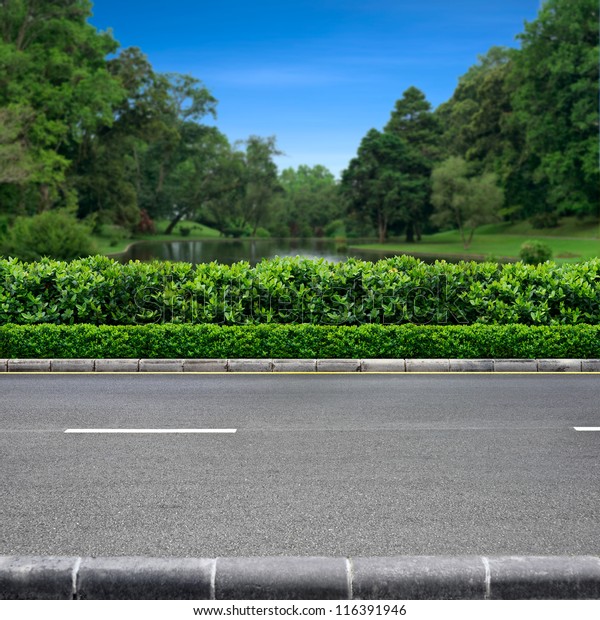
(320, 465)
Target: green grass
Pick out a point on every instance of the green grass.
(114, 239)
(572, 241)
(588, 228)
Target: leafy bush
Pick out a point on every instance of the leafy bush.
(535, 252)
(546, 219)
(394, 291)
(299, 341)
(52, 233)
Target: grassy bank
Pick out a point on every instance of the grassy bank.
(571, 241)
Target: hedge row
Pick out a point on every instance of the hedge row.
(394, 291)
(299, 341)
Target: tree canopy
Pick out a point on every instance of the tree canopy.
(90, 130)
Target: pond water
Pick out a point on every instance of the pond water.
(229, 251)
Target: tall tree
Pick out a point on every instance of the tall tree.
(463, 201)
(479, 126)
(472, 118)
(376, 184)
(309, 201)
(179, 102)
(52, 64)
(260, 182)
(555, 99)
(201, 178)
(413, 122)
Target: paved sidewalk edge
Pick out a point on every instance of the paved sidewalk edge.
(301, 365)
(287, 578)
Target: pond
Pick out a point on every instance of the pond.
(252, 250)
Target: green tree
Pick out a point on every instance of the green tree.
(16, 162)
(184, 100)
(554, 86)
(138, 162)
(235, 187)
(261, 182)
(310, 200)
(202, 176)
(52, 64)
(375, 183)
(413, 122)
(107, 168)
(473, 117)
(463, 201)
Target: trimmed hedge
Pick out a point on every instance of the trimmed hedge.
(299, 341)
(394, 291)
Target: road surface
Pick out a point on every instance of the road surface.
(337, 465)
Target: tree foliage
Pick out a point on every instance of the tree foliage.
(308, 203)
(555, 100)
(531, 115)
(94, 129)
(55, 79)
(374, 182)
(414, 123)
(464, 201)
(388, 181)
(111, 136)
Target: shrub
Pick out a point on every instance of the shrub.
(535, 252)
(394, 291)
(546, 219)
(58, 234)
(146, 224)
(299, 341)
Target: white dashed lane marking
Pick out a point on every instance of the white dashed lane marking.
(151, 430)
(587, 428)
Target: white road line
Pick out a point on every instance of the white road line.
(151, 430)
(587, 428)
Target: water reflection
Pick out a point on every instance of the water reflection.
(230, 251)
(233, 250)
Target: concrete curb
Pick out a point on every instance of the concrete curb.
(305, 578)
(301, 365)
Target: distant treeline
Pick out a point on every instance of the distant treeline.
(94, 133)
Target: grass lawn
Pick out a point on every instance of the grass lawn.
(572, 241)
(114, 239)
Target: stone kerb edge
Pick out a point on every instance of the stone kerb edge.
(208, 365)
(288, 578)
(590, 365)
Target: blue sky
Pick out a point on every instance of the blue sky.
(317, 74)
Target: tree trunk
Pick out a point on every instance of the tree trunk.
(138, 176)
(173, 223)
(382, 228)
(470, 239)
(44, 198)
(161, 178)
(461, 230)
(410, 232)
(19, 43)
